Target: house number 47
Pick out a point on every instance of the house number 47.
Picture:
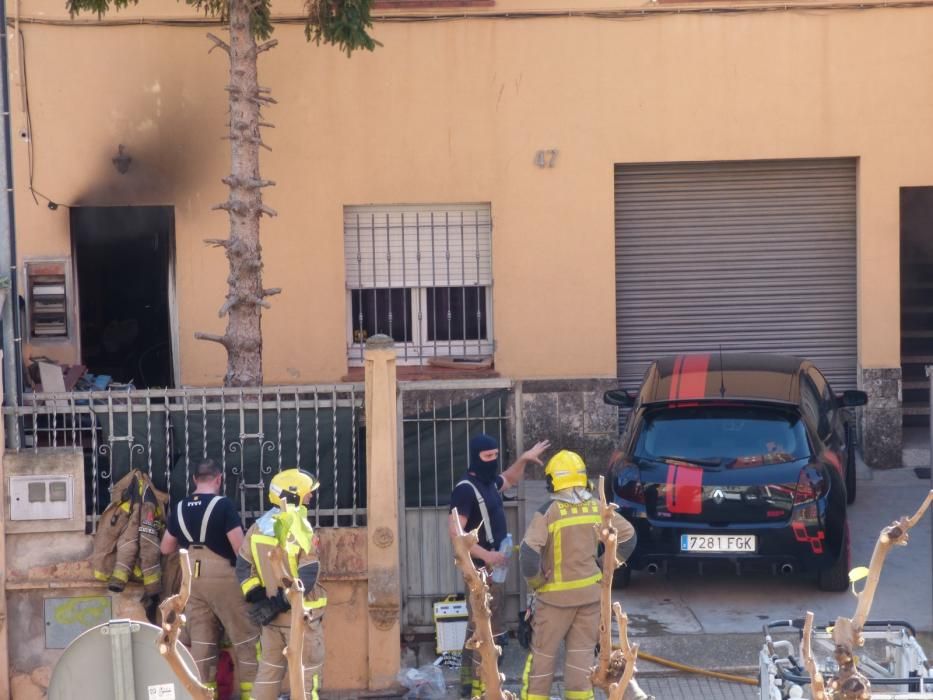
(546, 159)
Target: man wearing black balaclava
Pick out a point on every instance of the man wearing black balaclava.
(478, 500)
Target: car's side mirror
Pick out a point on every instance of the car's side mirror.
(853, 397)
(619, 397)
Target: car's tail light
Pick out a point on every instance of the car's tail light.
(628, 486)
(805, 522)
(810, 487)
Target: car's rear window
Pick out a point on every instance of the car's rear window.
(727, 436)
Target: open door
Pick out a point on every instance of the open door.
(124, 258)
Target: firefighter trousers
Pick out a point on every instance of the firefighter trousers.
(470, 683)
(273, 665)
(578, 628)
(216, 598)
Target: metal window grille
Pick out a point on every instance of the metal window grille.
(421, 275)
(252, 433)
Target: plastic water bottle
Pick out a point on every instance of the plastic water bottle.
(500, 572)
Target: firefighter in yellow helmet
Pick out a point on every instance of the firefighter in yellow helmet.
(559, 560)
(295, 487)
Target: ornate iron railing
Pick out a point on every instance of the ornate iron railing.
(251, 432)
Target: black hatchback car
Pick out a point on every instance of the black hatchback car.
(743, 457)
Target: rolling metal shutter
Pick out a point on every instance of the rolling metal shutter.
(755, 256)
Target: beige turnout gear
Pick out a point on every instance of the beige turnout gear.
(215, 596)
(559, 560)
(259, 541)
(272, 669)
(126, 545)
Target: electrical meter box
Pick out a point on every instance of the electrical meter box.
(44, 491)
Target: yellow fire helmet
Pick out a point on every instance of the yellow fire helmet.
(565, 470)
(291, 486)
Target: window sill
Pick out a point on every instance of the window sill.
(429, 4)
(414, 373)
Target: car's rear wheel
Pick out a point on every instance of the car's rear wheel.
(836, 577)
(850, 467)
(622, 577)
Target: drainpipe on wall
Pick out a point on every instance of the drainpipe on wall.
(12, 350)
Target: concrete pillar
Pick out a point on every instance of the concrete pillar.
(384, 634)
(4, 636)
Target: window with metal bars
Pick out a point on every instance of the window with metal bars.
(421, 275)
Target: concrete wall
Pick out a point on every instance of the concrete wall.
(454, 112)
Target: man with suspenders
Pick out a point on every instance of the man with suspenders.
(478, 500)
(208, 526)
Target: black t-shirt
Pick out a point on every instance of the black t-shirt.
(223, 519)
(464, 500)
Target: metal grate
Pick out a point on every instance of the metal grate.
(421, 275)
(252, 432)
(437, 420)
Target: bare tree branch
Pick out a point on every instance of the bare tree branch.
(222, 340)
(233, 181)
(217, 242)
(228, 304)
(236, 206)
(271, 291)
(218, 43)
(268, 211)
(271, 44)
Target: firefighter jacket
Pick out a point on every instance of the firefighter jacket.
(128, 534)
(252, 568)
(560, 548)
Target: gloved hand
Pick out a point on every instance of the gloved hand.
(257, 594)
(265, 611)
(524, 631)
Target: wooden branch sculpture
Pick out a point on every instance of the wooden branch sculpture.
(629, 653)
(850, 683)
(173, 617)
(615, 667)
(482, 640)
(295, 593)
(817, 685)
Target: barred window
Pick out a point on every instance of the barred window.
(421, 275)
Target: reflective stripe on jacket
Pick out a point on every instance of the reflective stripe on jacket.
(126, 545)
(257, 545)
(564, 536)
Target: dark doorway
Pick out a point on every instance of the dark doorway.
(916, 302)
(123, 260)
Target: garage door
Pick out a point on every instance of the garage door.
(751, 256)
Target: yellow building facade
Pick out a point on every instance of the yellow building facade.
(525, 107)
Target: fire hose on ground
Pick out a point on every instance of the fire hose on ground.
(732, 678)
